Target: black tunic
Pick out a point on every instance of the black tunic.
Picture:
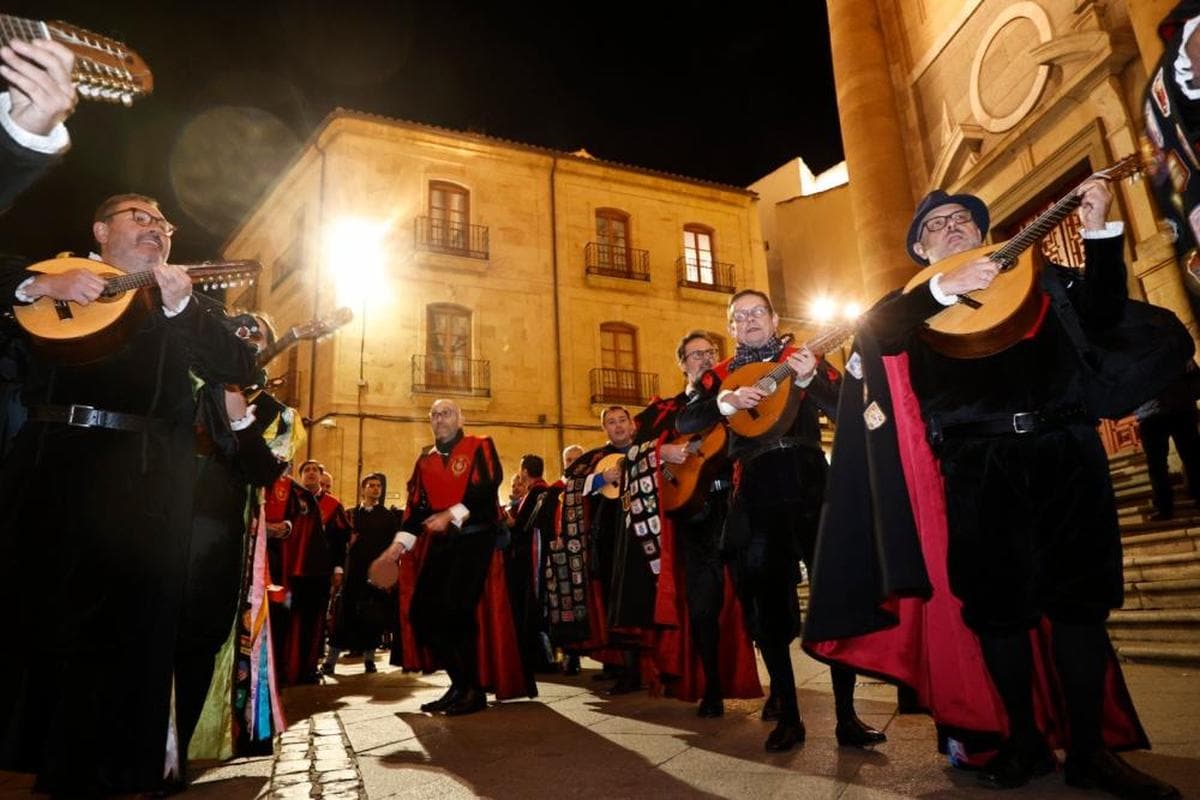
(366, 610)
(94, 531)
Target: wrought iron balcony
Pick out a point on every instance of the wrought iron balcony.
(439, 235)
(617, 261)
(621, 386)
(452, 375)
(713, 276)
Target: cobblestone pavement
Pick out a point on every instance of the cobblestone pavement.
(573, 742)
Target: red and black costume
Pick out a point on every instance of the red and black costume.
(691, 613)
(779, 483)
(446, 612)
(1014, 520)
(532, 528)
(303, 566)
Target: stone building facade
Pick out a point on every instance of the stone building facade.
(534, 287)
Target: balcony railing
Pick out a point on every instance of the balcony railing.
(452, 375)
(455, 238)
(713, 276)
(620, 386)
(617, 261)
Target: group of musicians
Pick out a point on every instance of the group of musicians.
(981, 481)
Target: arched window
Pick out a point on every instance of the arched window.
(612, 239)
(448, 346)
(698, 255)
(449, 216)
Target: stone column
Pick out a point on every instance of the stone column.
(1144, 16)
(880, 195)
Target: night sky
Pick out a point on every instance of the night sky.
(724, 95)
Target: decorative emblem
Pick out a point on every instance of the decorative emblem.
(459, 465)
(1158, 90)
(854, 366)
(874, 416)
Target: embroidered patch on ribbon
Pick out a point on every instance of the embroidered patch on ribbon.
(641, 502)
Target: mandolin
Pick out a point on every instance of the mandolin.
(683, 486)
(610, 490)
(987, 321)
(69, 333)
(314, 329)
(776, 412)
(105, 69)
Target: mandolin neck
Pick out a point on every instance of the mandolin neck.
(818, 346)
(1046, 222)
(18, 28)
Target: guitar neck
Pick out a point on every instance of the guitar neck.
(1031, 235)
(288, 340)
(818, 346)
(18, 28)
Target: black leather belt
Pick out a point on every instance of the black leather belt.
(79, 416)
(1021, 423)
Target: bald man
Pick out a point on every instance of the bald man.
(452, 497)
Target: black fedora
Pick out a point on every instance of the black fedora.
(978, 209)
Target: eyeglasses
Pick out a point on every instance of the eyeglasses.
(960, 217)
(146, 219)
(745, 314)
(699, 355)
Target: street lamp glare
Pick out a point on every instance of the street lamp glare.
(354, 247)
(851, 310)
(823, 309)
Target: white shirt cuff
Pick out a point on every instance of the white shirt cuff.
(1183, 65)
(1111, 230)
(725, 408)
(935, 288)
(338, 570)
(52, 143)
(803, 384)
(405, 540)
(459, 513)
(174, 312)
(20, 292)
(244, 422)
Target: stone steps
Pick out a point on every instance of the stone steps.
(1142, 568)
(1171, 626)
(1158, 652)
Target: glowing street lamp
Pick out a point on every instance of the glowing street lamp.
(354, 248)
(851, 311)
(822, 309)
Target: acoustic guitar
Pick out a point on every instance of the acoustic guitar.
(987, 321)
(68, 333)
(683, 486)
(776, 412)
(105, 69)
(610, 490)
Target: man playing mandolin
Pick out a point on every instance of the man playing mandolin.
(94, 582)
(776, 504)
(1032, 527)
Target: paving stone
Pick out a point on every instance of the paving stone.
(334, 765)
(338, 775)
(298, 747)
(294, 755)
(290, 778)
(293, 791)
(289, 767)
(341, 786)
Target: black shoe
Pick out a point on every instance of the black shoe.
(710, 708)
(310, 678)
(369, 667)
(327, 668)
(571, 666)
(624, 685)
(856, 733)
(469, 702)
(607, 674)
(1108, 772)
(1014, 766)
(772, 709)
(1161, 516)
(787, 734)
(434, 706)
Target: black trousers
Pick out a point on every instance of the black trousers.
(699, 538)
(1155, 432)
(1033, 529)
(446, 598)
(210, 604)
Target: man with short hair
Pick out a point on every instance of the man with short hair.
(1029, 506)
(775, 507)
(95, 584)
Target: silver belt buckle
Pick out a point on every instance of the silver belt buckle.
(81, 416)
(1024, 422)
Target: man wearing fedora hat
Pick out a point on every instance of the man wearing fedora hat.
(1032, 528)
